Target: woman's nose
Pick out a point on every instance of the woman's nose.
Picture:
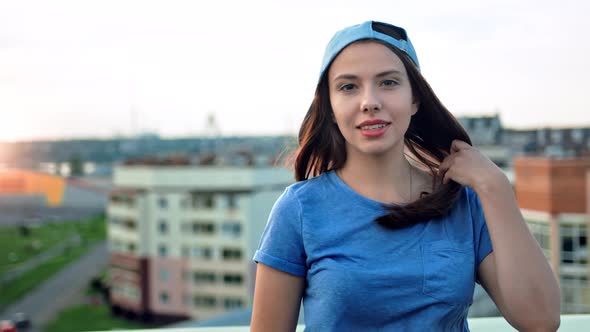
(370, 102)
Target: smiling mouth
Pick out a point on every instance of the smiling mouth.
(373, 127)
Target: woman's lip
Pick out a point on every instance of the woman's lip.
(373, 122)
(375, 132)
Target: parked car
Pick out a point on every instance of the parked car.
(7, 326)
(21, 321)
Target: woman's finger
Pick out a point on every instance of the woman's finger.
(446, 163)
(444, 167)
(447, 176)
(457, 145)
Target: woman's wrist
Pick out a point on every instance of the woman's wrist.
(494, 183)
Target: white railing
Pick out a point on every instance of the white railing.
(569, 323)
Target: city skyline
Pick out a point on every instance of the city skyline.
(104, 69)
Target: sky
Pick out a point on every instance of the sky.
(98, 69)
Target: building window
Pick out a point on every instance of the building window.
(162, 202)
(128, 291)
(575, 292)
(202, 253)
(204, 277)
(164, 298)
(232, 202)
(574, 247)
(164, 275)
(204, 301)
(122, 200)
(203, 227)
(163, 227)
(131, 247)
(162, 250)
(129, 224)
(208, 201)
(231, 254)
(233, 303)
(202, 200)
(231, 229)
(541, 233)
(556, 136)
(541, 136)
(232, 279)
(577, 135)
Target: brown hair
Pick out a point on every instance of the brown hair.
(429, 136)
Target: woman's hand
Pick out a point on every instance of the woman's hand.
(469, 167)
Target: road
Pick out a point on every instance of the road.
(60, 291)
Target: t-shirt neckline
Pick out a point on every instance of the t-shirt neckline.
(358, 197)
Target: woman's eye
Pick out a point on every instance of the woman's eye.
(389, 82)
(346, 87)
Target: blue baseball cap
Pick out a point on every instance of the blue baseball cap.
(385, 32)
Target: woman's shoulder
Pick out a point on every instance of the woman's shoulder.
(467, 206)
(312, 187)
(467, 199)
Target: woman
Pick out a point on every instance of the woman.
(395, 215)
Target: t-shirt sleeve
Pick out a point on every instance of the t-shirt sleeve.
(482, 241)
(281, 244)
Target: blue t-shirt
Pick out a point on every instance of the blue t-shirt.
(361, 276)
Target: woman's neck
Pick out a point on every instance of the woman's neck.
(385, 178)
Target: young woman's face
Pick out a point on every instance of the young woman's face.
(371, 97)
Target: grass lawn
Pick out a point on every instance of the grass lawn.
(90, 232)
(90, 318)
(16, 248)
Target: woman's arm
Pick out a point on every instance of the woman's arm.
(516, 274)
(277, 298)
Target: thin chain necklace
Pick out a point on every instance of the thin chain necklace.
(411, 188)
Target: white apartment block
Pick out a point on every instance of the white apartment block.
(182, 238)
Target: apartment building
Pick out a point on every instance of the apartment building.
(501, 144)
(486, 133)
(182, 237)
(554, 197)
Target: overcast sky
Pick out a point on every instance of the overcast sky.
(104, 68)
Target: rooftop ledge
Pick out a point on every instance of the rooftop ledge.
(569, 323)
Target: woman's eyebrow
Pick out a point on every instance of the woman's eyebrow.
(389, 72)
(345, 77)
(353, 77)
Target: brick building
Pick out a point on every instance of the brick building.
(554, 196)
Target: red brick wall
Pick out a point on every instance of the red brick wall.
(551, 185)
